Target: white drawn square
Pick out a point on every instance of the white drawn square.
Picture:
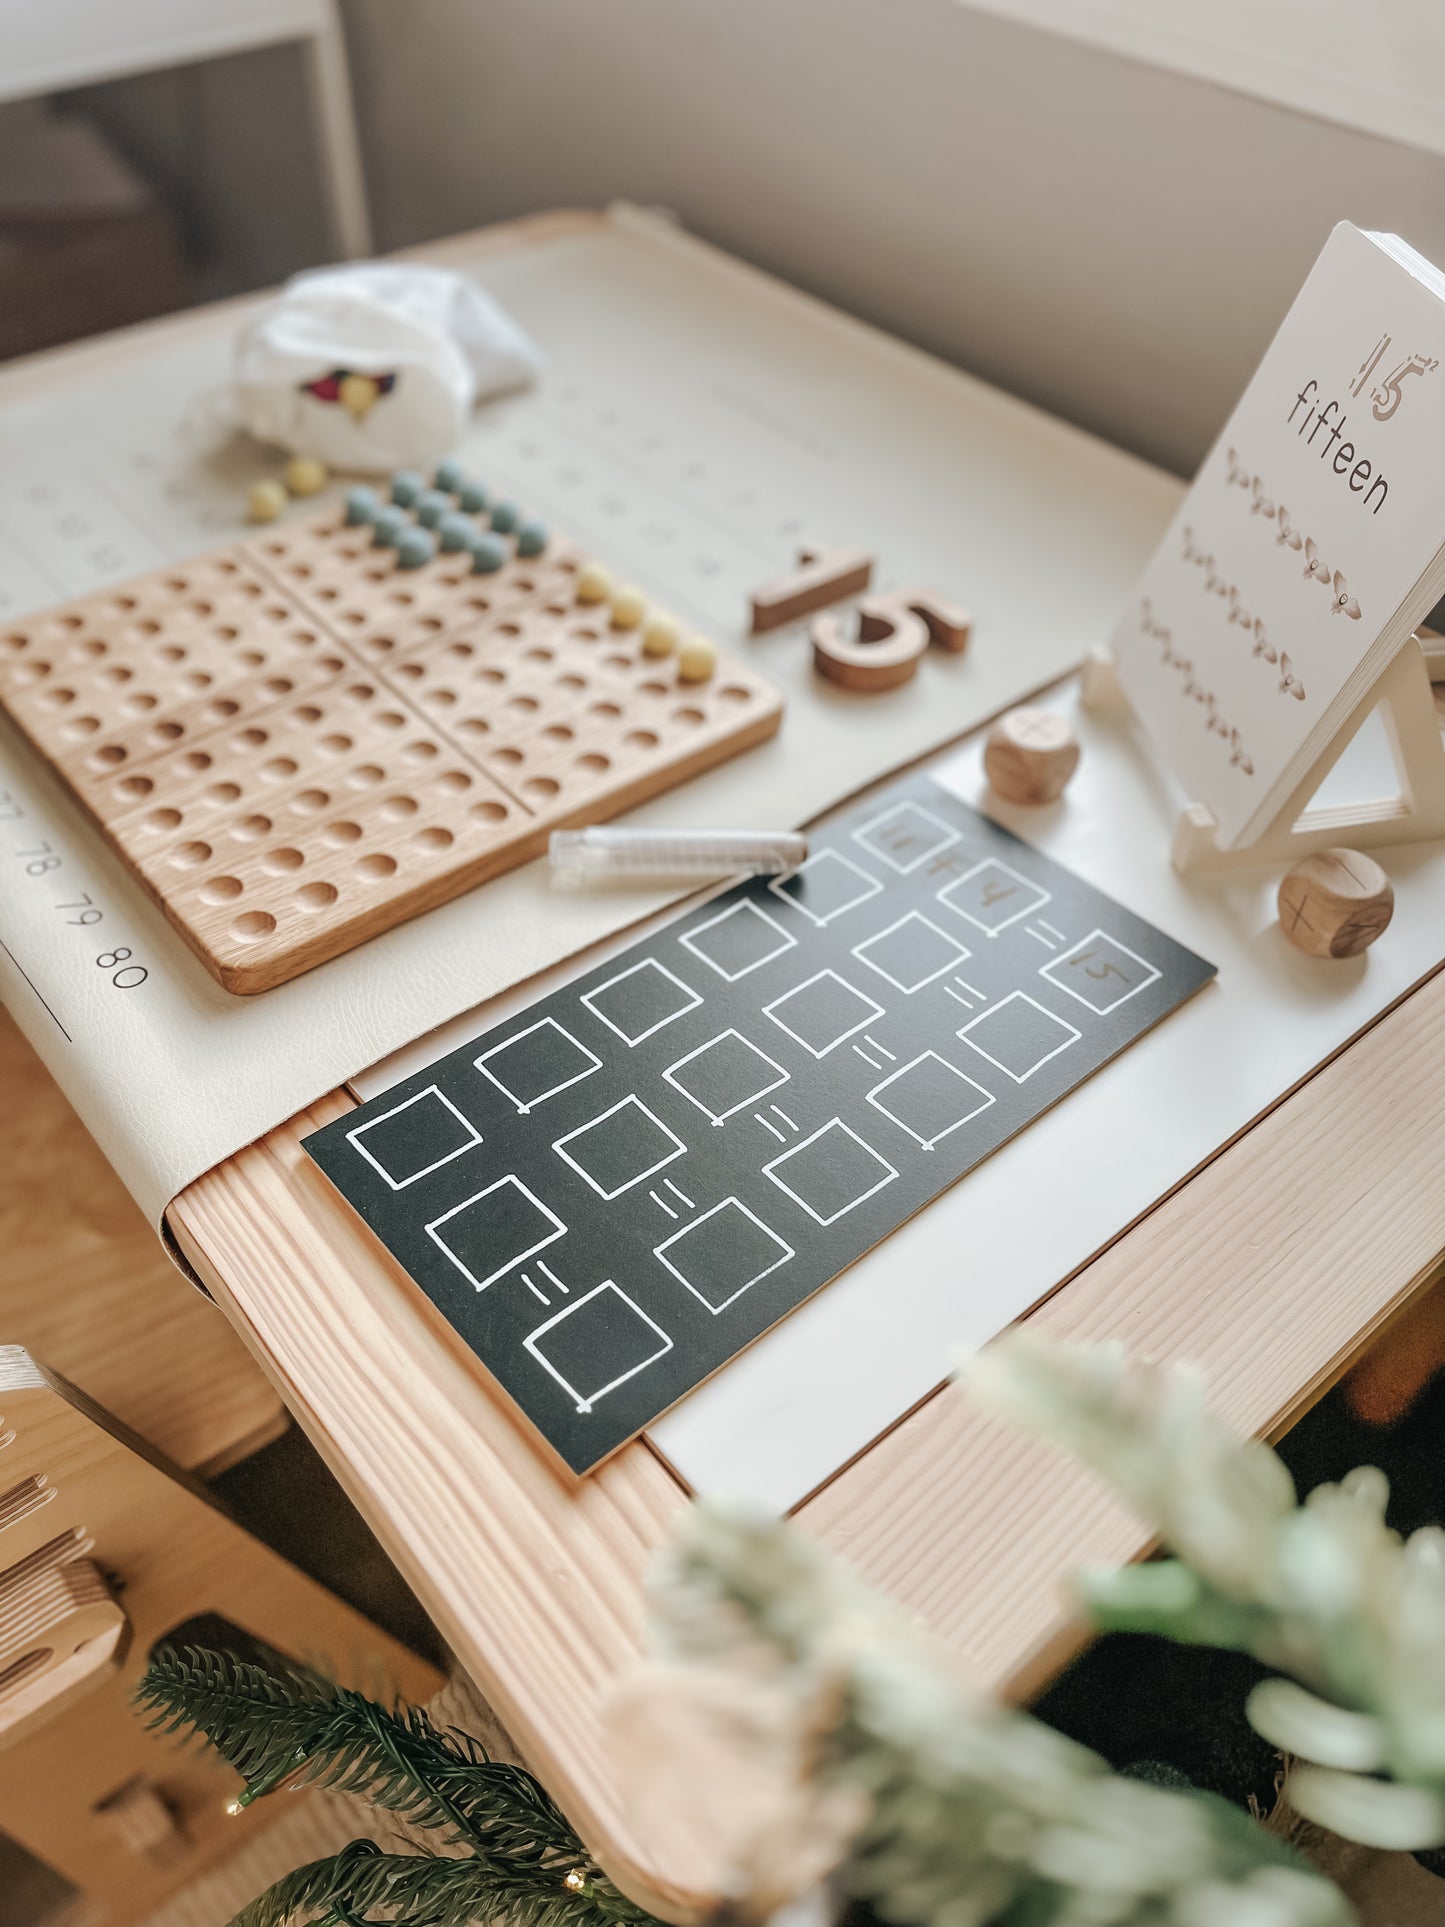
(822, 1012)
(1018, 1036)
(738, 940)
(447, 1119)
(593, 1337)
(641, 1000)
(620, 1147)
(536, 1063)
(911, 952)
(906, 836)
(832, 1172)
(992, 896)
(1101, 973)
(723, 1253)
(725, 1075)
(930, 1098)
(835, 883)
(504, 1217)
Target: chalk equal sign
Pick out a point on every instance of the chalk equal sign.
(966, 994)
(678, 1193)
(882, 1050)
(552, 1279)
(1042, 931)
(782, 1115)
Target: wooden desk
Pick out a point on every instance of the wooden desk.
(1271, 1268)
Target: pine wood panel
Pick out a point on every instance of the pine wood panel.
(536, 1582)
(85, 1286)
(1271, 1270)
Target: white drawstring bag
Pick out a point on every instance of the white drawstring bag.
(376, 365)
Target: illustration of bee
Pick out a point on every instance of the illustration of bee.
(1234, 473)
(1261, 505)
(1344, 603)
(1314, 566)
(1262, 644)
(1287, 537)
(1289, 682)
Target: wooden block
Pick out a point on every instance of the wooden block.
(822, 576)
(144, 1824)
(296, 744)
(1335, 903)
(1030, 756)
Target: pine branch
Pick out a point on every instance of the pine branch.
(349, 1889)
(291, 1723)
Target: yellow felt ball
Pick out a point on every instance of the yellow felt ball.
(696, 659)
(357, 393)
(266, 501)
(594, 584)
(661, 636)
(306, 476)
(629, 606)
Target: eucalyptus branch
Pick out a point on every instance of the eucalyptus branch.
(1325, 1591)
(967, 1812)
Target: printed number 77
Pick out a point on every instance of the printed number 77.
(1107, 970)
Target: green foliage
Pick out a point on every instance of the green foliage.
(285, 1722)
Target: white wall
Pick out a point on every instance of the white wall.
(1105, 238)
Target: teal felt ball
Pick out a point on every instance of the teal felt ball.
(415, 547)
(531, 538)
(361, 506)
(449, 476)
(505, 517)
(489, 553)
(473, 497)
(455, 531)
(406, 486)
(431, 505)
(388, 526)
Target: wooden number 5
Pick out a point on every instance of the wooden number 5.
(893, 632)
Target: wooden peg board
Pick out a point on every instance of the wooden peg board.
(295, 744)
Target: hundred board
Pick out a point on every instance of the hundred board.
(298, 742)
(612, 1193)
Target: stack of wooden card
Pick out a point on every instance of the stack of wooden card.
(1310, 545)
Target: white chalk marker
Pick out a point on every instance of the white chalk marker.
(672, 853)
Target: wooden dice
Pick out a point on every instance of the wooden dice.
(1029, 756)
(1335, 903)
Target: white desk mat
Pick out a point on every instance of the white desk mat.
(696, 420)
(817, 1389)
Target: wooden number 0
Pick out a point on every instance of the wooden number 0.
(893, 632)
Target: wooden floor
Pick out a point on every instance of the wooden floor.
(86, 1287)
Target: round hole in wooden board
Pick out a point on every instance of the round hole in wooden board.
(223, 889)
(252, 925)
